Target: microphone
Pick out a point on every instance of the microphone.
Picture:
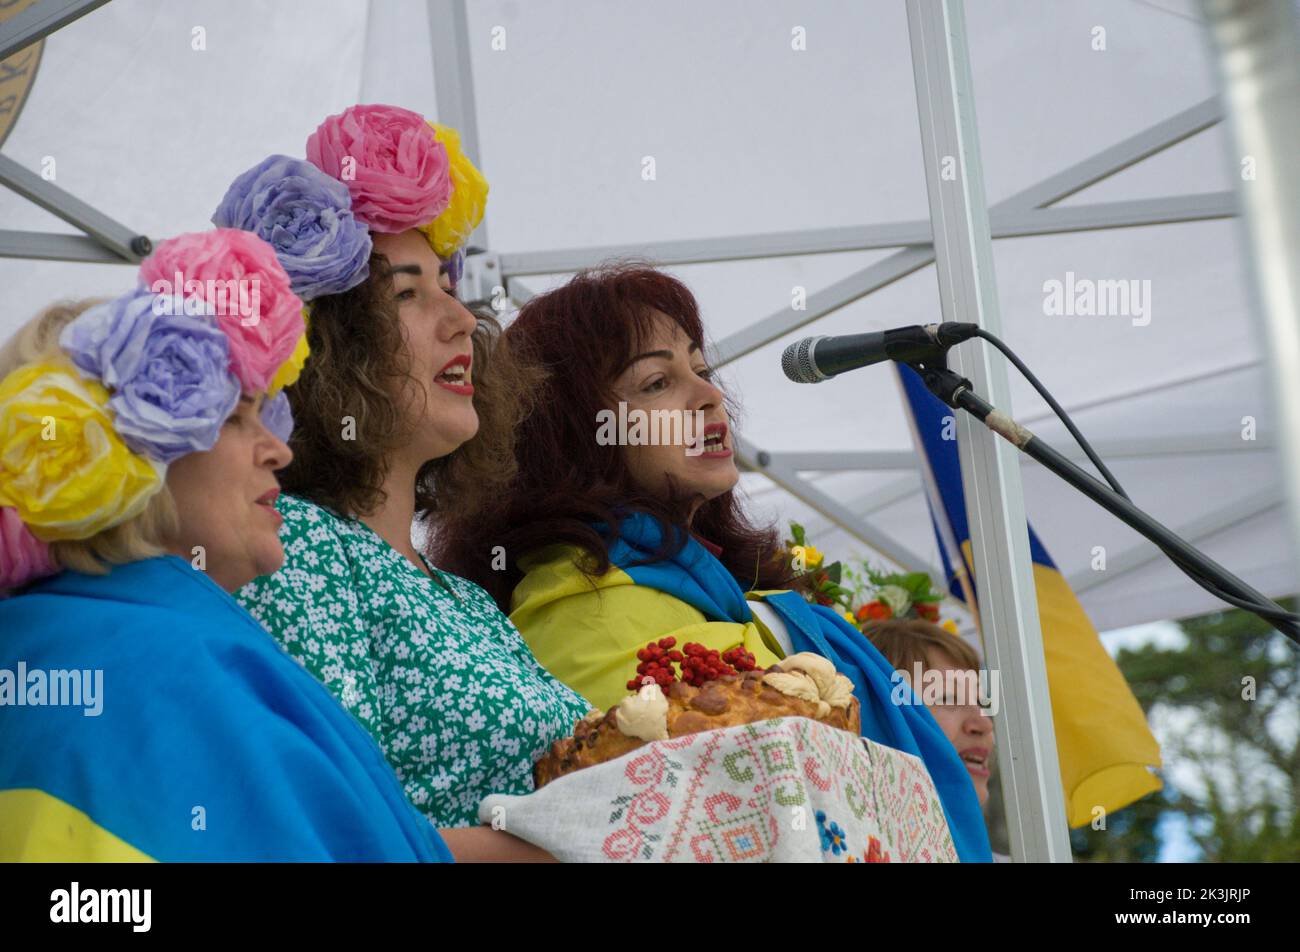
(815, 359)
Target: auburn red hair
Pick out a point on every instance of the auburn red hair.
(577, 339)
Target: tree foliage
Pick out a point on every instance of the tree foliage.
(1225, 707)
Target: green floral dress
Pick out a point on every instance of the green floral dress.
(436, 673)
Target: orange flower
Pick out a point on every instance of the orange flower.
(875, 611)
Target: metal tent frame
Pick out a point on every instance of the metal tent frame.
(105, 241)
(960, 248)
(1028, 212)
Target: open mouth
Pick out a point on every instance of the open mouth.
(715, 440)
(455, 376)
(976, 761)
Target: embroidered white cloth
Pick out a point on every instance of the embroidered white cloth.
(784, 790)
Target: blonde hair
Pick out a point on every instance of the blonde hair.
(906, 642)
(139, 538)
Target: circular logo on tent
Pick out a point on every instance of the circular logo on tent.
(17, 72)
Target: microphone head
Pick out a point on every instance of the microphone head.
(797, 361)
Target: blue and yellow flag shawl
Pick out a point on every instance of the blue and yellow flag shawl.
(1103, 743)
(696, 577)
(186, 734)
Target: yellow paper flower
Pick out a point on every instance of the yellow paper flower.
(290, 370)
(949, 626)
(63, 466)
(812, 559)
(839, 610)
(450, 230)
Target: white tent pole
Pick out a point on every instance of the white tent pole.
(1006, 223)
(1013, 210)
(830, 461)
(47, 246)
(1072, 179)
(453, 78)
(518, 291)
(39, 21)
(107, 241)
(1258, 45)
(1147, 388)
(751, 458)
(123, 243)
(1008, 603)
(806, 461)
(1204, 526)
(820, 303)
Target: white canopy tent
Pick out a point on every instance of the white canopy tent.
(752, 137)
(775, 130)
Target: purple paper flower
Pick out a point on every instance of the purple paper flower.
(306, 216)
(168, 365)
(277, 416)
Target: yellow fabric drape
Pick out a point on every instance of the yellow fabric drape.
(1104, 747)
(38, 827)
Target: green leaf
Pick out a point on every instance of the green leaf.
(797, 531)
(875, 577)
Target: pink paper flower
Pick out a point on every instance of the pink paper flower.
(395, 168)
(238, 275)
(23, 557)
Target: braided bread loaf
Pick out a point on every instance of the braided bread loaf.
(801, 686)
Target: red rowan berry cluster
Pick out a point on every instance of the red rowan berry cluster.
(698, 664)
(740, 659)
(657, 659)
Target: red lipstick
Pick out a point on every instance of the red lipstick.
(454, 376)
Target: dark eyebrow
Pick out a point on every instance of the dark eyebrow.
(665, 354)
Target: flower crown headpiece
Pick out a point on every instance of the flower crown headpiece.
(861, 595)
(370, 168)
(143, 379)
(901, 595)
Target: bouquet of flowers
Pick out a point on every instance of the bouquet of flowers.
(860, 593)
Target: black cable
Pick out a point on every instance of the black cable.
(1057, 409)
(1267, 611)
(1270, 612)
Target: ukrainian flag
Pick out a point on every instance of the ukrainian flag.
(1105, 748)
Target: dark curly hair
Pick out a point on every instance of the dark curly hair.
(358, 362)
(578, 337)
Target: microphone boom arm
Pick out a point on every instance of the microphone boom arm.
(956, 391)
